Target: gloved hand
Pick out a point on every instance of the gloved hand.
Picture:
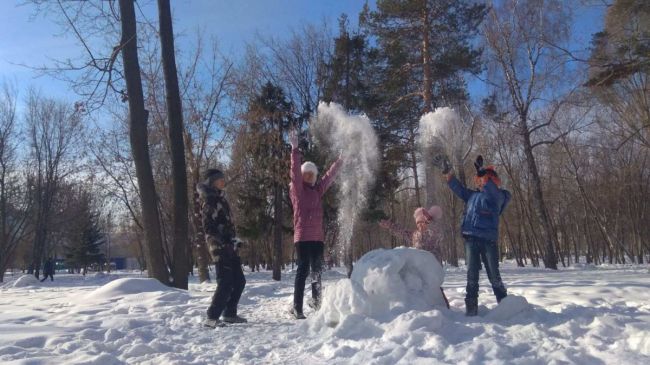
(478, 164)
(446, 166)
(441, 161)
(237, 243)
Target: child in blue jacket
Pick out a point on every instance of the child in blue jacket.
(480, 228)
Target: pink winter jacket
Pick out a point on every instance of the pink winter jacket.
(307, 200)
(428, 240)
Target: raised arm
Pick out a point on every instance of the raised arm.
(458, 188)
(296, 161)
(397, 230)
(330, 175)
(295, 188)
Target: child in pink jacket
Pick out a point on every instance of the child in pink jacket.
(426, 237)
(306, 193)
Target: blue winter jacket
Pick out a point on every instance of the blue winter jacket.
(482, 209)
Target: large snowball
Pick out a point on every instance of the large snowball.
(401, 278)
(384, 283)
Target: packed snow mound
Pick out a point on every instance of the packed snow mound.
(126, 286)
(384, 283)
(343, 299)
(25, 281)
(509, 307)
(402, 279)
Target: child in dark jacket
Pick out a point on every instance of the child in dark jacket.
(222, 244)
(480, 228)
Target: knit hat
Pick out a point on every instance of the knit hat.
(427, 216)
(212, 175)
(309, 167)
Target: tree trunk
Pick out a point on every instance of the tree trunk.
(138, 136)
(277, 206)
(427, 92)
(201, 251)
(546, 229)
(414, 167)
(179, 171)
(39, 243)
(277, 233)
(427, 81)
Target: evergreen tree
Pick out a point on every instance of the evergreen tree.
(264, 162)
(87, 249)
(622, 49)
(619, 68)
(425, 48)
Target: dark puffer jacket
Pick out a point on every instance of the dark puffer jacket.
(482, 209)
(217, 222)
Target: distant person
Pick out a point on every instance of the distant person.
(480, 228)
(426, 237)
(48, 270)
(220, 236)
(306, 193)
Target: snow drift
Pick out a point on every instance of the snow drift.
(576, 316)
(126, 286)
(25, 281)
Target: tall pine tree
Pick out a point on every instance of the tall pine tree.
(269, 117)
(426, 46)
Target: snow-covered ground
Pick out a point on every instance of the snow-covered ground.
(581, 315)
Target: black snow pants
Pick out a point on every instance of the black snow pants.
(230, 285)
(310, 256)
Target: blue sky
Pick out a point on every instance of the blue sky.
(36, 40)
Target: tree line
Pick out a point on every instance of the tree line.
(565, 124)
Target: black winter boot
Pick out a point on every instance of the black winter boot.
(501, 295)
(471, 307)
(297, 314)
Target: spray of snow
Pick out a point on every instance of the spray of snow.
(436, 131)
(354, 137)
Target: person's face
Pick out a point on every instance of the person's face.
(422, 226)
(479, 182)
(309, 177)
(220, 184)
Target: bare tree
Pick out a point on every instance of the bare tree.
(518, 35)
(205, 105)
(138, 134)
(180, 266)
(54, 130)
(15, 203)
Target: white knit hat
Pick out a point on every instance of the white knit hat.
(309, 167)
